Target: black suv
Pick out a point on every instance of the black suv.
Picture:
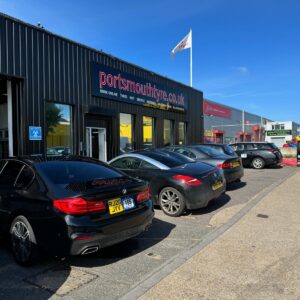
(258, 155)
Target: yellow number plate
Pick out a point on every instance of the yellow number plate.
(217, 185)
(236, 164)
(115, 206)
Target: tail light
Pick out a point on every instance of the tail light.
(143, 196)
(273, 150)
(188, 180)
(225, 166)
(84, 237)
(76, 206)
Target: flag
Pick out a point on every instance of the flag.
(185, 43)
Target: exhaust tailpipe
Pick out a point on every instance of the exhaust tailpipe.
(90, 250)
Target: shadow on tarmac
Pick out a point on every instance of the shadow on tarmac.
(212, 206)
(48, 277)
(236, 185)
(157, 232)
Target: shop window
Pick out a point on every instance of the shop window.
(181, 133)
(58, 129)
(126, 133)
(148, 132)
(168, 133)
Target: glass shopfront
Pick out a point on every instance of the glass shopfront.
(148, 132)
(58, 128)
(168, 133)
(181, 133)
(126, 133)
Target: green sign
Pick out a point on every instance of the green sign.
(279, 132)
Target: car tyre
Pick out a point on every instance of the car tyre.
(172, 202)
(258, 163)
(23, 242)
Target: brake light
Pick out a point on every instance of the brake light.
(188, 180)
(273, 150)
(83, 238)
(143, 196)
(76, 206)
(225, 166)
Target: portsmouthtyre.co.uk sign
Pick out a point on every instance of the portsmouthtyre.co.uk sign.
(111, 83)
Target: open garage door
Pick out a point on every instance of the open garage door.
(6, 135)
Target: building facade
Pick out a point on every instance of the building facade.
(58, 96)
(225, 124)
(281, 133)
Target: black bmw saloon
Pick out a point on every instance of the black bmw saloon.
(69, 206)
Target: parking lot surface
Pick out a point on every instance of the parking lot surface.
(115, 271)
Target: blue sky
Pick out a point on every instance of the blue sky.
(245, 53)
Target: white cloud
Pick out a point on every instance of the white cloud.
(242, 70)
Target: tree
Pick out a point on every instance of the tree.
(53, 116)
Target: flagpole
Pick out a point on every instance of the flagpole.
(191, 60)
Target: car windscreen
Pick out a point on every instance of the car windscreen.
(169, 159)
(207, 150)
(68, 172)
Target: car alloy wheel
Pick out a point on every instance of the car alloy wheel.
(171, 202)
(23, 242)
(258, 163)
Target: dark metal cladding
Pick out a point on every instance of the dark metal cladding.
(46, 67)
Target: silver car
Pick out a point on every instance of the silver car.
(231, 165)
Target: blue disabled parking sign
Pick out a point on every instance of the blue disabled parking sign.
(35, 133)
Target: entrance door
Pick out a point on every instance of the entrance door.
(96, 143)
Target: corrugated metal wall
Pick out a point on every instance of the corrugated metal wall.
(53, 68)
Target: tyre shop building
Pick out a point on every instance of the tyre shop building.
(58, 96)
(225, 124)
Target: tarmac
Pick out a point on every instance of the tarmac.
(256, 258)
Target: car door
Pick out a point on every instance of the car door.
(242, 152)
(147, 170)
(8, 178)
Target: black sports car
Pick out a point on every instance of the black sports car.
(69, 205)
(176, 182)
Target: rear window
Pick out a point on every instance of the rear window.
(169, 159)
(265, 146)
(66, 172)
(207, 150)
(229, 150)
(2, 163)
(217, 148)
(10, 173)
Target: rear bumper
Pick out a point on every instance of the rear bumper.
(110, 232)
(200, 199)
(273, 161)
(233, 175)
